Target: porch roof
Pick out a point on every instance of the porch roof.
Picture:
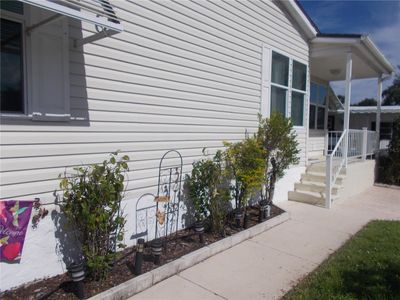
(329, 52)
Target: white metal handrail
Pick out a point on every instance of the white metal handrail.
(360, 144)
(335, 161)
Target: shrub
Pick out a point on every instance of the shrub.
(91, 205)
(280, 149)
(245, 165)
(389, 166)
(206, 191)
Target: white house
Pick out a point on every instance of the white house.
(80, 79)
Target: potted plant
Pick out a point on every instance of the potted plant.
(246, 168)
(205, 189)
(280, 150)
(91, 205)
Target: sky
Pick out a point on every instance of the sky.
(379, 19)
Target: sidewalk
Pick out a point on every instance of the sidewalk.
(268, 265)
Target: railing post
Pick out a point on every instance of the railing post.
(326, 142)
(364, 143)
(328, 182)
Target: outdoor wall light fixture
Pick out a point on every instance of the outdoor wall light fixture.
(199, 229)
(77, 273)
(156, 250)
(139, 257)
(335, 72)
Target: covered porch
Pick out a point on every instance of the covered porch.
(338, 58)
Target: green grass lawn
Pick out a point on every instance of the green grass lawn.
(366, 267)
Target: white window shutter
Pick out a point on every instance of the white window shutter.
(49, 77)
(265, 81)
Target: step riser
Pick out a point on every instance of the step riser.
(304, 198)
(321, 169)
(316, 178)
(313, 188)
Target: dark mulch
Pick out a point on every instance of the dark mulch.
(184, 242)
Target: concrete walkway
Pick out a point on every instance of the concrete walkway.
(268, 265)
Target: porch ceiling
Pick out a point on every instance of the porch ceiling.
(329, 52)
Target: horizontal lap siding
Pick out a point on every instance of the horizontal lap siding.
(182, 75)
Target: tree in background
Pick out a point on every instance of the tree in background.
(391, 95)
(367, 102)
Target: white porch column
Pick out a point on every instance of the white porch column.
(349, 67)
(378, 113)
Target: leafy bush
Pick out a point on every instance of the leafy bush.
(389, 166)
(92, 199)
(245, 165)
(280, 149)
(207, 192)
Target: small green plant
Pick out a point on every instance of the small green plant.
(280, 149)
(206, 191)
(91, 205)
(389, 166)
(246, 168)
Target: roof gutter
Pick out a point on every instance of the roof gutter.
(298, 14)
(365, 39)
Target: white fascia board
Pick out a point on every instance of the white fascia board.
(370, 45)
(299, 16)
(349, 41)
(79, 15)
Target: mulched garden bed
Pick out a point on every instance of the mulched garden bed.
(186, 241)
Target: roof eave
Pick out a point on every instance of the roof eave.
(299, 15)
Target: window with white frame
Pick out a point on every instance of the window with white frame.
(318, 98)
(34, 64)
(12, 59)
(288, 81)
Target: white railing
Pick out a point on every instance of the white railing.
(332, 139)
(335, 161)
(361, 143)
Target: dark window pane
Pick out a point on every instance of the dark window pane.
(11, 67)
(14, 6)
(311, 120)
(297, 109)
(314, 93)
(320, 118)
(299, 76)
(280, 69)
(322, 95)
(278, 100)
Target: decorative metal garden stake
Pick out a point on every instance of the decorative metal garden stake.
(168, 196)
(156, 250)
(199, 229)
(246, 220)
(139, 257)
(77, 273)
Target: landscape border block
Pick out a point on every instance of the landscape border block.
(146, 280)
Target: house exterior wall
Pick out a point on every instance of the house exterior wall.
(182, 75)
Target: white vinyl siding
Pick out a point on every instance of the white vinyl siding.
(182, 75)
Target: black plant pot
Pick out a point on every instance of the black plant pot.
(238, 218)
(199, 229)
(263, 211)
(139, 257)
(246, 220)
(77, 273)
(156, 250)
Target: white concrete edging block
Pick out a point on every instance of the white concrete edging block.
(146, 280)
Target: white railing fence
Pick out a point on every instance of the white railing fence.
(361, 143)
(334, 164)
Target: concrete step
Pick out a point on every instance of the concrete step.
(321, 168)
(316, 187)
(307, 197)
(319, 177)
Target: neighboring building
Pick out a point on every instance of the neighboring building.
(365, 117)
(160, 75)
